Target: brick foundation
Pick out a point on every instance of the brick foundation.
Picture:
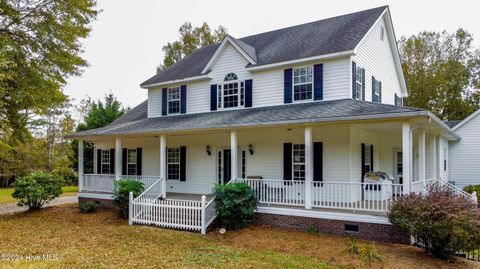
(369, 231)
(105, 203)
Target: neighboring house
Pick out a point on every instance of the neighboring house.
(465, 153)
(300, 114)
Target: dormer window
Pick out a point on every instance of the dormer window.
(173, 97)
(231, 93)
(302, 84)
(359, 83)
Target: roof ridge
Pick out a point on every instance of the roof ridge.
(313, 22)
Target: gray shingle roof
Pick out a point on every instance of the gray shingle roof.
(135, 121)
(452, 123)
(341, 33)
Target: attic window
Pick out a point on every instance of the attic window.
(230, 77)
(382, 33)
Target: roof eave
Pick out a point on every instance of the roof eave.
(176, 81)
(328, 56)
(399, 115)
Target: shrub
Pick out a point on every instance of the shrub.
(36, 189)
(471, 188)
(122, 190)
(87, 207)
(440, 221)
(235, 204)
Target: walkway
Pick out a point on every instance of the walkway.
(12, 208)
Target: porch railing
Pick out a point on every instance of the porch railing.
(97, 183)
(106, 182)
(354, 195)
(326, 194)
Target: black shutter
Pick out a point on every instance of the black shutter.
(183, 163)
(318, 82)
(371, 158)
(183, 99)
(287, 86)
(99, 161)
(317, 161)
(396, 99)
(124, 161)
(139, 161)
(213, 97)
(112, 161)
(248, 93)
(363, 84)
(374, 96)
(164, 101)
(287, 161)
(363, 161)
(379, 91)
(354, 78)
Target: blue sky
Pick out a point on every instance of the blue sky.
(126, 43)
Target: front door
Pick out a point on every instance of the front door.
(224, 166)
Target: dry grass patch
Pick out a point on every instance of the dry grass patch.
(102, 240)
(333, 249)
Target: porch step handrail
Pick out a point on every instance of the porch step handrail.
(152, 192)
(457, 191)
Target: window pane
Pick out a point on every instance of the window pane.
(302, 92)
(173, 98)
(173, 163)
(302, 84)
(299, 162)
(230, 95)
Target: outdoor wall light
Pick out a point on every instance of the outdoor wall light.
(209, 152)
(250, 148)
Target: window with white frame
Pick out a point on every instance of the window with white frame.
(231, 93)
(131, 161)
(173, 100)
(358, 83)
(298, 161)
(302, 83)
(377, 91)
(173, 163)
(105, 161)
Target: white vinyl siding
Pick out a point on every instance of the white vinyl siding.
(376, 56)
(268, 86)
(464, 166)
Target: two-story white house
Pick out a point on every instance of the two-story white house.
(300, 114)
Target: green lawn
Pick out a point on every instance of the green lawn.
(6, 194)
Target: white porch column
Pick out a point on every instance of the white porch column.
(80, 165)
(233, 155)
(406, 157)
(421, 155)
(433, 157)
(118, 158)
(308, 167)
(95, 167)
(163, 164)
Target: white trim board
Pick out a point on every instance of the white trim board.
(323, 215)
(95, 195)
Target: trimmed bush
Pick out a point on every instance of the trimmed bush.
(471, 188)
(440, 221)
(87, 207)
(122, 190)
(36, 189)
(235, 204)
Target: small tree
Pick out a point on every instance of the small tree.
(442, 222)
(122, 190)
(235, 204)
(36, 189)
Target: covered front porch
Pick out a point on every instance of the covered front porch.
(315, 166)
